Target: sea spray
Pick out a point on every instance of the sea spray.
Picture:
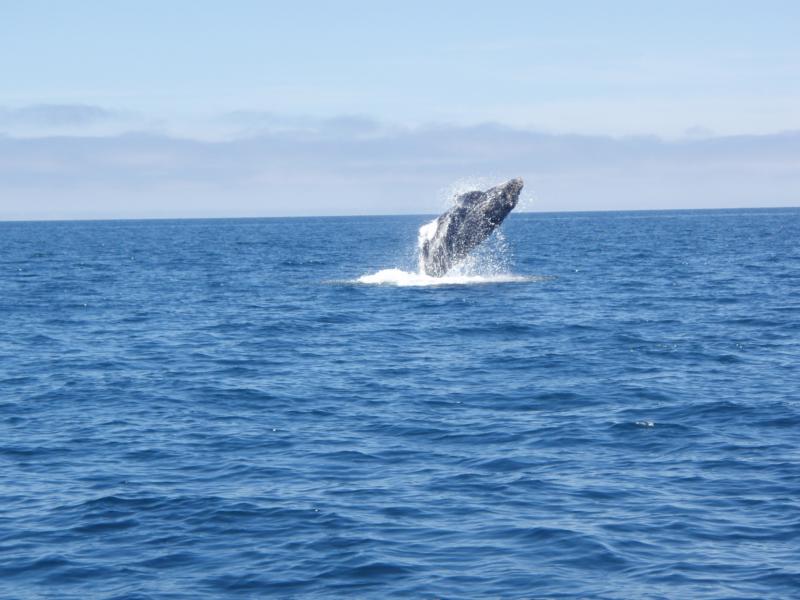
(464, 244)
(489, 263)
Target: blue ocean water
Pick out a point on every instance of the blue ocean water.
(258, 408)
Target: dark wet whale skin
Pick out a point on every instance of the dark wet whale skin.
(472, 219)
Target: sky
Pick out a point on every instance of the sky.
(127, 109)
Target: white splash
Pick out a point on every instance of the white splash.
(401, 278)
(426, 233)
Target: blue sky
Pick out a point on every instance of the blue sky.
(169, 108)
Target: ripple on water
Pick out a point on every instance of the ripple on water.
(225, 409)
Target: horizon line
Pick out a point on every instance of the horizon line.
(376, 215)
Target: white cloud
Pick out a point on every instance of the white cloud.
(253, 122)
(352, 165)
(63, 119)
(56, 115)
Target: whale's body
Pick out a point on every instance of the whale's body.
(448, 240)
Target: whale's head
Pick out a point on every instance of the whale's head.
(500, 200)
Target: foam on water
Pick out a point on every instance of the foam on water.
(402, 278)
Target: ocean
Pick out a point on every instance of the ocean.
(597, 405)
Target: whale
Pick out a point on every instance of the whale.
(448, 239)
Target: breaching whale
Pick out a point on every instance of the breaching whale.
(453, 235)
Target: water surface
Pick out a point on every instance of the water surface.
(605, 406)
